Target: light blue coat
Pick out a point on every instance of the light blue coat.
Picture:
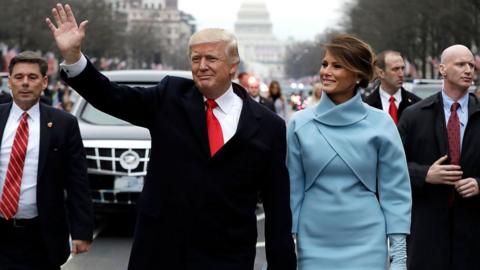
(352, 153)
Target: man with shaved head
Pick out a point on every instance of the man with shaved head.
(440, 136)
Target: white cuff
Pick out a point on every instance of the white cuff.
(76, 68)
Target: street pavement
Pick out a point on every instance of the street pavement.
(113, 240)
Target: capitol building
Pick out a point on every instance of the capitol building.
(260, 51)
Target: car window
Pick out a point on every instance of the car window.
(4, 82)
(92, 115)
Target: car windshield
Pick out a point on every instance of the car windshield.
(92, 115)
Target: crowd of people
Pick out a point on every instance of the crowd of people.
(384, 182)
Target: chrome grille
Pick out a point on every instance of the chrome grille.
(105, 160)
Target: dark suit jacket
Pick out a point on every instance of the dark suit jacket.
(408, 99)
(61, 167)
(267, 103)
(5, 97)
(196, 211)
(434, 223)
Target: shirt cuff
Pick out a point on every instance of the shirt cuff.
(75, 68)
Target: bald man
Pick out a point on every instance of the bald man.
(440, 136)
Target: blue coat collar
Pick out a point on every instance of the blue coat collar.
(345, 114)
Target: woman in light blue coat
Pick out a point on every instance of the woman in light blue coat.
(350, 188)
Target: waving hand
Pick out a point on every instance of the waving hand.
(68, 35)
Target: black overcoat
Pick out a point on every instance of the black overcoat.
(196, 211)
(442, 236)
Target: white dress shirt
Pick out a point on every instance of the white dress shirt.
(385, 97)
(27, 206)
(227, 112)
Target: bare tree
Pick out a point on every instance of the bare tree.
(418, 29)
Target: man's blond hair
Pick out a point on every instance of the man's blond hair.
(214, 35)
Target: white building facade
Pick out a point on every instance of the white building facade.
(260, 51)
(172, 26)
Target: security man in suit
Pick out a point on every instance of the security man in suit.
(440, 137)
(213, 148)
(254, 92)
(44, 192)
(390, 96)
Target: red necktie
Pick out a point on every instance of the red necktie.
(453, 134)
(392, 110)
(215, 134)
(13, 179)
(453, 130)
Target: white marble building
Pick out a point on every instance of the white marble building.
(261, 52)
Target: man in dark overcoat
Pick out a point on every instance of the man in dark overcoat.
(213, 149)
(440, 135)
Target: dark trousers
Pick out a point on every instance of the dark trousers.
(22, 248)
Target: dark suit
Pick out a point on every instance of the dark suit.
(442, 237)
(267, 103)
(61, 167)
(5, 97)
(196, 211)
(408, 99)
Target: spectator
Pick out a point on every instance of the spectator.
(278, 100)
(314, 98)
(243, 78)
(253, 90)
(349, 181)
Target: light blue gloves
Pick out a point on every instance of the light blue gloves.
(398, 251)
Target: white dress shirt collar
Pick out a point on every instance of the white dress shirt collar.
(385, 98)
(225, 101)
(398, 95)
(33, 112)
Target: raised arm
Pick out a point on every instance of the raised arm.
(68, 35)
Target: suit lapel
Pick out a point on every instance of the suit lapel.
(441, 128)
(473, 105)
(248, 124)
(406, 101)
(45, 134)
(377, 101)
(195, 110)
(4, 113)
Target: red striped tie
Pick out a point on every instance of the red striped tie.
(13, 179)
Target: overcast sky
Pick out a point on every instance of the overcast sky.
(300, 19)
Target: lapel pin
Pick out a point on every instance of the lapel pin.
(410, 100)
(49, 124)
